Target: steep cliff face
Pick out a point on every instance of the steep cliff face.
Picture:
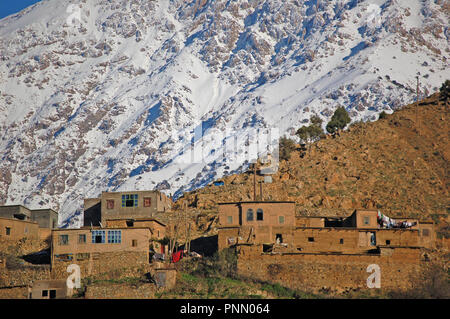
(106, 95)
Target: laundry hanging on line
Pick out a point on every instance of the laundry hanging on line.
(387, 222)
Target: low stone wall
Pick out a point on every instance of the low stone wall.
(334, 272)
(23, 276)
(120, 291)
(22, 247)
(108, 264)
(14, 293)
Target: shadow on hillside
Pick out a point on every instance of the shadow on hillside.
(38, 258)
(205, 246)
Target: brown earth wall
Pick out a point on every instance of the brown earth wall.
(108, 264)
(316, 271)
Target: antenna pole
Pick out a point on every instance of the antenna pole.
(417, 105)
(254, 182)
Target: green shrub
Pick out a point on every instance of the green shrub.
(338, 121)
(445, 91)
(286, 147)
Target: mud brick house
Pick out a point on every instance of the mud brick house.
(255, 222)
(99, 250)
(49, 289)
(15, 212)
(116, 205)
(14, 229)
(157, 229)
(46, 218)
(303, 251)
(17, 222)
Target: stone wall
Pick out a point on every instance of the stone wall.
(109, 264)
(22, 247)
(331, 271)
(350, 239)
(121, 291)
(14, 293)
(13, 229)
(227, 237)
(23, 275)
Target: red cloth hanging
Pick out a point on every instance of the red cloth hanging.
(177, 256)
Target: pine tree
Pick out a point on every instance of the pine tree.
(309, 134)
(338, 121)
(445, 91)
(286, 147)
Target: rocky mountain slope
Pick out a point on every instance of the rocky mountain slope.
(102, 95)
(398, 164)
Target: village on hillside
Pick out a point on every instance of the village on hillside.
(129, 235)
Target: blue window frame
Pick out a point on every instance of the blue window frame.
(130, 200)
(114, 236)
(98, 236)
(250, 214)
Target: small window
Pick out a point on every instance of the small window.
(366, 220)
(130, 200)
(98, 236)
(54, 224)
(130, 223)
(311, 239)
(147, 202)
(134, 243)
(341, 241)
(82, 256)
(52, 294)
(8, 231)
(44, 293)
(388, 242)
(425, 232)
(64, 257)
(259, 214)
(281, 219)
(110, 203)
(230, 219)
(63, 240)
(250, 215)
(82, 239)
(114, 236)
(373, 239)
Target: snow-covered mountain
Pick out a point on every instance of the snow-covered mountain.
(112, 94)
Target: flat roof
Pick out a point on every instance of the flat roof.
(334, 217)
(138, 219)
(393, 247)
(14, 206)
(43, 209)
(258, 202)
(134, 191)
(355, 228)
(19, 220)
(99, 228)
